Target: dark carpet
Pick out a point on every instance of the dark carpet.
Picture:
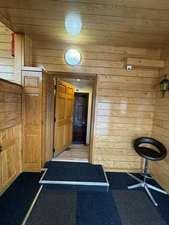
(74, 207)
(96, 209)
(15, 202)
(135, 208)
(60, 207)
(78, 172)
(54, 207)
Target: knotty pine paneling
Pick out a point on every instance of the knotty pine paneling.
(10, 66)
(10, 132)
(7, 70)
(124, 111)
(120, 23)
(160, 170)
(96, 59)
(124, 100)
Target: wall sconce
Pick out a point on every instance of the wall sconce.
(164, 85)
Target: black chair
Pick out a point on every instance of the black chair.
(155, 153)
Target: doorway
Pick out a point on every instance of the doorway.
(80, 118)
(79, 114)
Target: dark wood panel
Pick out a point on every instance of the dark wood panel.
(80, 118)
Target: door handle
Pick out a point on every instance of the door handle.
(0, 148)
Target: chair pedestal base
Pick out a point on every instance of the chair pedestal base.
(146, 186)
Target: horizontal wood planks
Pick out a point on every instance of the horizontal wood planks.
(124, 100)
(160, 169)
(124, 111)
(139, 62)
(96, 59)
(10, 132)
(120, 23)
(7, 70)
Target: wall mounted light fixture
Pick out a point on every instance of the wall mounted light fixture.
(164, 85)
(73, 24)
(72, 57)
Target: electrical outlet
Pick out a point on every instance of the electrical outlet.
(129, 67)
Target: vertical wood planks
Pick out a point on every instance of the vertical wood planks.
(32, 119)
(64, 115)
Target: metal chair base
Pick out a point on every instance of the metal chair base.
(146, 186)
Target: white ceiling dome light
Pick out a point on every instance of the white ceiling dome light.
(73, 23)
(72, 57)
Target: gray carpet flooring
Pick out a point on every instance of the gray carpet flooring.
(135, 208)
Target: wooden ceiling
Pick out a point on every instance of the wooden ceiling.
(137, 23)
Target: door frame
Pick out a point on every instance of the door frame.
(82, 76)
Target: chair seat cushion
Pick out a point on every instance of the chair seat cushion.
(149, 153)
(157, 152)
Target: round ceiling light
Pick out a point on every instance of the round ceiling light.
(72, 57)
(73, 24)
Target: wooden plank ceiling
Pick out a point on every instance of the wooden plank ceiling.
(132, 23)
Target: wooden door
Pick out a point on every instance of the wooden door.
(80, 118)
(64, 99)
(32, 120)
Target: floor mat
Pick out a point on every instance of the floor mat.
(75, 174)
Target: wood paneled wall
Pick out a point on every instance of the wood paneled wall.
(10, 66)
(124, 111)
(7, 70)
(96, 59)
(124, 99)
(27, 50)
(10, 132)
(160, 169)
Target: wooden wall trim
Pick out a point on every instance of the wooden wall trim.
(31, 68)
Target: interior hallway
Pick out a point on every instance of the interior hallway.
(75, 153)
